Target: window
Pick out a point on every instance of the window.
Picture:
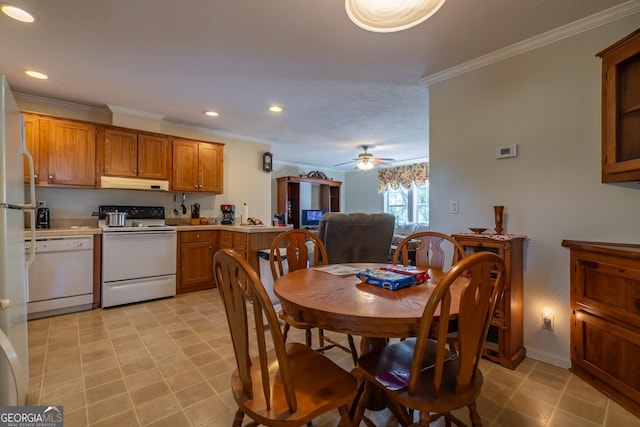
(408, 205)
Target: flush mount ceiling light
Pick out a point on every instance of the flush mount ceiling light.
(212, 113)
(275, 109)
(386, 16)
(17, 13)
(364, 165)
(36, 75)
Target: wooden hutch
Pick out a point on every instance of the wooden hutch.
(289, 196)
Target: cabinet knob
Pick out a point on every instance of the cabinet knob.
(139, 170)
(195, 185)
(197, 236)
(50, 178)
(35, 178)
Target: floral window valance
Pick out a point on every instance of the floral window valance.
(403, 176)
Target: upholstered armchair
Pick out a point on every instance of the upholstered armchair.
(356, 237)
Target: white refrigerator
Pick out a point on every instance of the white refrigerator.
(14, 360)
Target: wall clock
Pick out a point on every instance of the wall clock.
(267, 162)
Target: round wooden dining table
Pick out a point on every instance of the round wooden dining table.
(343, 303)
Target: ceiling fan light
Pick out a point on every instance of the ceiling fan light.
(364, 165)
(385, 16)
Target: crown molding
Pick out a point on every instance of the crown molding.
(57, 103)
(569, 30)
(134, 113)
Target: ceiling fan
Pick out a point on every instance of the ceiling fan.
(366, 161)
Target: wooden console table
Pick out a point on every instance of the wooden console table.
(605, 318)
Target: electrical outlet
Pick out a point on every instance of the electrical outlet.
(547, 321)
(454, 207)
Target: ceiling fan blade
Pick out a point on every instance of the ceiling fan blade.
(381, 161)
(345, 163)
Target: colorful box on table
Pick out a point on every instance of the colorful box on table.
(420, 274)
(386, 279)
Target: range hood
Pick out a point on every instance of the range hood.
(133, 183)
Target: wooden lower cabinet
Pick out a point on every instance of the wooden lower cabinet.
(196, 250)
(195, 260)
(605, 318)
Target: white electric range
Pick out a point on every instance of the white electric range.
(139, 258)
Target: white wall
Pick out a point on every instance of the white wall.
(362, 193)
(244, 180)
(548, 102)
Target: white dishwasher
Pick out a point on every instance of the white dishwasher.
(61, 277)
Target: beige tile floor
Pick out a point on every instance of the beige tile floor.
(168, 362)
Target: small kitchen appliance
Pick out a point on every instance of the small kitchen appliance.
(42, 216)
(228, 214)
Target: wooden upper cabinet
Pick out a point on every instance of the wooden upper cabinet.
(154, 157)
(129, 154)
(621, 110)
(210, 158)
(32, 140)
(197, 166)
(71, 152)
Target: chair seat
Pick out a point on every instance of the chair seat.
(399, 357)
(319, 384)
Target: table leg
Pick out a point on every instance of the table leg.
(377, 400)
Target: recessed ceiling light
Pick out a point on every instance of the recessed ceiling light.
(36, 75)
(17, 13)
(275, 109)
(212, 113)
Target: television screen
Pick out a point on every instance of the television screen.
(311, 216)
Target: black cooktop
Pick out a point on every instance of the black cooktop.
(134, 212)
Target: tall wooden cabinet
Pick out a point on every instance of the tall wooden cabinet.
(621, 110)
(605, 318)
(197, 166)
(289, 196)
(504, 342)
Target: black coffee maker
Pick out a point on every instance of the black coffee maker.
(228, 214)
(42, 216)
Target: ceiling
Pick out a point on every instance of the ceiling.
(340, 86)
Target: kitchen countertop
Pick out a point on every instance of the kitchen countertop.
(66, 231)
(88, 230)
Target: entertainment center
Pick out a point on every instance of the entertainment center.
(289, 199)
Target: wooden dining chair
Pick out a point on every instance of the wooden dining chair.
(296, 244)
(433, 379)
(288, 385)
(429, 250)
